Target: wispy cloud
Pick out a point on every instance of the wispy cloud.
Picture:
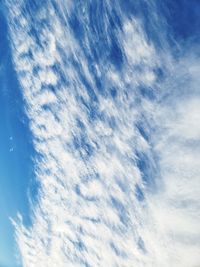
(117, 150)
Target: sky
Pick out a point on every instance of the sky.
(99, 133)
(16, 171)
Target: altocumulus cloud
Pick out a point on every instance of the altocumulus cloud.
(115, 126)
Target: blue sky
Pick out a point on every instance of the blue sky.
(106, 100)
(183, 19)
(16, 171)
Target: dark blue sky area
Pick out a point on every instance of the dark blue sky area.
(183, 18)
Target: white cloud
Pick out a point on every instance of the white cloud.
(88, 212)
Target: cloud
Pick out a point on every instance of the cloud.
(118, 163)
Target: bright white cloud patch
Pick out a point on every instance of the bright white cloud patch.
(118, 168)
